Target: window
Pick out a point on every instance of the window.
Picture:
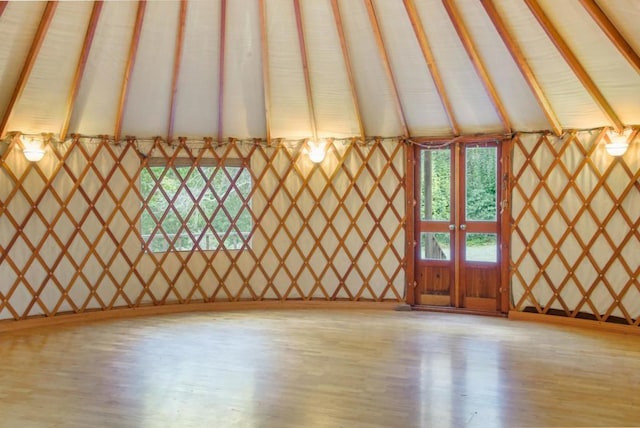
(195, 207)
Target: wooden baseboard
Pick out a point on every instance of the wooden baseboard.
(120, 313)
(574, 322)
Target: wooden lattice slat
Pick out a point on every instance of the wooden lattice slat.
(588, 221)
(71, 241)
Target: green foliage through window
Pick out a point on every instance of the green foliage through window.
(189, 207)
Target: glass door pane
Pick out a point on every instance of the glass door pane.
(435, 185)
(481, 183)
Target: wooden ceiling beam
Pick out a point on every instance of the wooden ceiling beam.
(431, 64)
(131, 58)
(177, 60)
(523, 65)
(82, 62)
(223, 35)
(573, 62)
(305, 69)
(467, 42)
(32, 55)
(347, 62)
(612, 33)
(3, 5)
(387, 65)
(266, 82)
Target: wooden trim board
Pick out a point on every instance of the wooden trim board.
(574, 322)
(89, 316)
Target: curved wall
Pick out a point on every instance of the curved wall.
(575, 241)
(70, 240)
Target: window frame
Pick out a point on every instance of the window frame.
(195, 165)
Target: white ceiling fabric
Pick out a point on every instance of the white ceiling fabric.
(41, 105)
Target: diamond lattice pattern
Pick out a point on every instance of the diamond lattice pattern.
(575, 244)
(70, 238)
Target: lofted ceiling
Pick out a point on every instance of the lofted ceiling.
(297, 69)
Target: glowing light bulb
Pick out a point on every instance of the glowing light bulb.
(33, 150)
(317, 151)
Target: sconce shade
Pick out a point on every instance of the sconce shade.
(33, 150)
(317, 151)
(618, 144)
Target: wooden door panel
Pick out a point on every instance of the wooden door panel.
(435, 285)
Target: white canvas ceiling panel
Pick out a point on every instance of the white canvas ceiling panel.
(41, 106)
(471, 105)
(146, 110)
(289, 110)
(18, 25)
(333, 103)
(375, 95)
(572, 104)
(522, 107)
(423, 109)
(613, 75)
(196, 112)
(243, 90)
(97, 102)
(625, 15)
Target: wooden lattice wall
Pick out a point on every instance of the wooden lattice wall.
(70, 241)
(575, 243)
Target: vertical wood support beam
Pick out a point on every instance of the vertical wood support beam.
(39, 37)
(305, 69)
(176, 67)
(575, 65)
(133, 48)
(523, 65)
(347, 62)
(410, 223)
(505, 148)
(387, 65)
(266, 82)
(612, 33)
(82, 62)
(467, 42)
(431, 64)
(223, 32)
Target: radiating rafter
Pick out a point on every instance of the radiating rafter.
(431, 63)
(387, 65)
(3, 5)
(176, 67)
(573, 62)
(305, 69)
(347, 62)
(612, 33)
(266, 83)
(82, 62)
(467, 42)
(223, 32)
(133, 48)
(39, 37)
(523, 65)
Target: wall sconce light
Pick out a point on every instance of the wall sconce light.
(33, 148)
(317, 151)
(618, 142)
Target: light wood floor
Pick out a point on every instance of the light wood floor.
(317, 368)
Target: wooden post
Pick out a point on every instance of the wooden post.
(410, 236)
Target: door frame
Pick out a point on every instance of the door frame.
(504, 216)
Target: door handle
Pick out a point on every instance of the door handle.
(463, 227)
(452, 227)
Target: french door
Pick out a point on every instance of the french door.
(458, 256)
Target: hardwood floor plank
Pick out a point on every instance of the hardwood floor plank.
(307, 368)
